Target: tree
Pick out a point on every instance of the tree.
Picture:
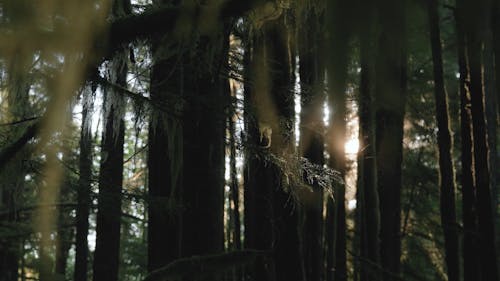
(312, 129)
(447, 174)
(84, 188)
(469, 211)
(367, 207)
(475, 26)
(390, 110)
(164, 157)
(106, 255)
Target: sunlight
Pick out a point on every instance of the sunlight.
(351, 146)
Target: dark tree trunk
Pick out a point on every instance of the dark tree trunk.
(469, 215)
(475, 20)
(495, 17)
(492, 121)
(64, 233)
(446, 170)
(390, 99)
(258, 212)
(367, 209)
(64, 242)
(106, 255)
(164, 159)
(339, 20)
(83, 191)
(269, 210)
(204, 120)
(287, 253)
(311, 143)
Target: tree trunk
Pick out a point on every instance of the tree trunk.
(164, 159)
(287, 254)
(495, 28)
(476, 20)
(269, 210)
(339, 22)
(203, 121)
(312, 143)
(367, 207)
(258, 194)
(469, 215)
(106, 255)
(446, 170)
(390, 110)
(64, 233)
(492, 120)
(12, 169)
(84, 186)
(234, 182)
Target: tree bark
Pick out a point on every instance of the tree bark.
(204, 127)
(84, 188)
(367, 207)
(164, 160)
(469, 215)
(258, 211)
(339, 15)
(270, 109)
(446, 170)
(390, 111)
(279, 60)
(311, 143)
(106, 255)
(475, 24)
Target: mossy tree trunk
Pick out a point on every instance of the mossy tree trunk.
(108, 222)
(84, 188)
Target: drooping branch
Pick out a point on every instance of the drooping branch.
(165, 20)
(11, 150)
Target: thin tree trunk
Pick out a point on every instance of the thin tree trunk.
(492, 120)
(83, 191)
(475, 25)
(446, 170)
(469, 215)
(235, 190)
(495, 28)
(339, 21)
(312, 143)
(492, 125)
(106, 255)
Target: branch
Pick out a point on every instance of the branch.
(164, 20)
(10, 151)
(205, 265)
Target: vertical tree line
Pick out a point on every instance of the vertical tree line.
(71, 206)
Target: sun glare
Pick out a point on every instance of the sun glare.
(351, 146)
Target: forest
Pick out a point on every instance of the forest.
(249, 140)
